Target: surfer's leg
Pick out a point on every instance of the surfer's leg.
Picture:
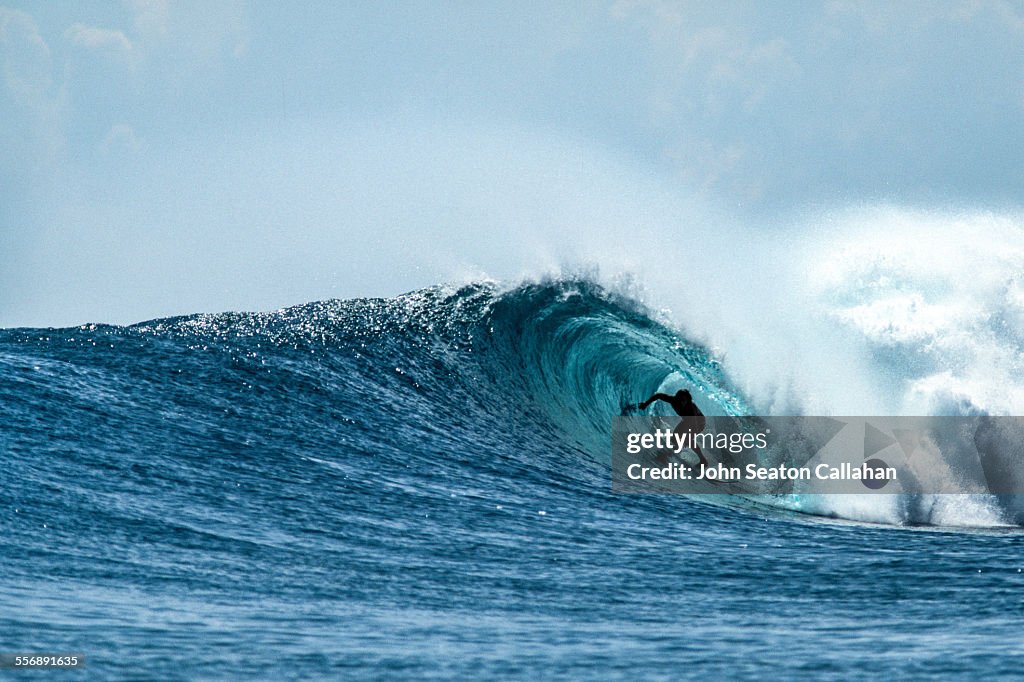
(703, 459)
(688, 428)
(686, 432)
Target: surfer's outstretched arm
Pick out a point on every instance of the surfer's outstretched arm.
(656, 396)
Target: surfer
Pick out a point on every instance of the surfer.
(692, 421)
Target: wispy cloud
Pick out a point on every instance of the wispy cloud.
(152, 18)
(121, 137)
(24, 56)
(93, 38)
(790, 102)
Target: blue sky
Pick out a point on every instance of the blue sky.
(164, 158)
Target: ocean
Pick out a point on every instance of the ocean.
(418, 487)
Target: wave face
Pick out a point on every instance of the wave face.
(392, 486)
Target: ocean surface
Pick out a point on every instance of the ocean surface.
(419, 487)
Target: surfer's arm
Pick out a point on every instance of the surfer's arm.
(656, 396)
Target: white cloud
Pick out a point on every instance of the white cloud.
(32, 129)
(93, 38)
(757, 99)
(121, 137)
(25, 58)
(152, 18)
(884, 18)
(203, 29)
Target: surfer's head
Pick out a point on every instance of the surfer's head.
(684, 395)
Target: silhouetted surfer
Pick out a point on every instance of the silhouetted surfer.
(693, 419)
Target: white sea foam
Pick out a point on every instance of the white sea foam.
(877, 310)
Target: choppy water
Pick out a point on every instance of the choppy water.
(419, 487)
